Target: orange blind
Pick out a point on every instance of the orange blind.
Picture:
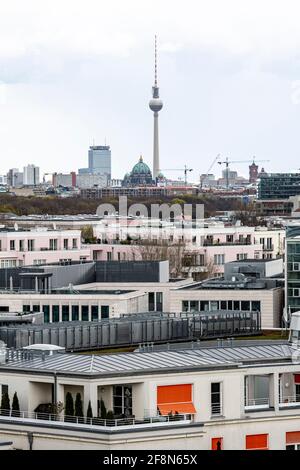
(214, 443)
(293, 437)
(174, 394)
(257, 441)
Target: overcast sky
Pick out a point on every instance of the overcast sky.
(74, 72)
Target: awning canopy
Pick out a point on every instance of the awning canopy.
(297, 378)
(176, 408)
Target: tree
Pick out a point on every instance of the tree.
(5, 402)
(89, 412)
(69, 408)
(15, 405)
(87, 234)
(78, 405)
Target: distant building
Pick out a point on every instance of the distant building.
(278, 185)
(14, 178)
(292, 269)
(253, 173)
(31, 175)
(100, 160)
(3, 179)
(90, 180)
(140, 175)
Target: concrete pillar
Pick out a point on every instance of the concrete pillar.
(274, 393)
(90, 394)
(36, 284)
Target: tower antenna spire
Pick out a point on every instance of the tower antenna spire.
(155, 61)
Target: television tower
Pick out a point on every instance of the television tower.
(155, 104)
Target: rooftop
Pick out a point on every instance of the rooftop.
(183, 360)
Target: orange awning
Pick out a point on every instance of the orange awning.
(174, 408)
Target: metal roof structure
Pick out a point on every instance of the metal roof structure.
(148, 362)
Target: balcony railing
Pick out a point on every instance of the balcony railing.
(216, 409)
(113, 424)
(225, 243)
(289, 401)
(257, 403)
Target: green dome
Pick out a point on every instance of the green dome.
(141, 168)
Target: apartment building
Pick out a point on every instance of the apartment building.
(40, 246)
(236, 396)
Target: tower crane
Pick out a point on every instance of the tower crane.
(186, 169)
(227, 162)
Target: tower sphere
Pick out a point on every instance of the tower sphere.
(155, 105)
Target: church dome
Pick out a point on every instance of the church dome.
(141, 168)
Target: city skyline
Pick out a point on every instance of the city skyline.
(233, 89)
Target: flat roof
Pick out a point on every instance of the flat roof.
(137, 363)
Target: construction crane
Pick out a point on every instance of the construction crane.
(185, 170)
(202, 177)
(227, 162)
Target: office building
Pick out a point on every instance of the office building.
(100, 160)
(278, 186)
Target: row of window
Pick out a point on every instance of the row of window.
(261, 441)
(53, 244)
(69, 313)
(209, 305)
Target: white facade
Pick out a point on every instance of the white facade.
(31, 175)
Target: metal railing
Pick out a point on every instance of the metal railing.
(91, 422)
(257, 403)
(216, 409)
(289, 400)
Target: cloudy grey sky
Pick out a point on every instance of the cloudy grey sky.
(81, 70)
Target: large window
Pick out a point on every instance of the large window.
(219, 259)
(75, 312)
(95, 312)
(30, 245)
(122, 400)
(216, 398)
(104, 311)
(85, 313)
(65, 313)
(53, 244)
(12, 245)
(55, 313)
(46, 310)
(66, 244)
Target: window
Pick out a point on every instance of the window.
(12, 245)
(245, 305)
(223, 305)
(159, 301)
(292, 440)
(46, 310)
(104, 311)
(36, 308)
(204, 305)
(122, 400)
(257, 442)
(241, 256)
(74, 244)
(109, 256)
(236, 305)
(85, 313)
(214, 305)
(8, 263)
(185, 305)
(296, 292)
(30, 245)
(219, 259)
(21, 245)
(55, 313)
(4, 308)
(39, 261)
(217, 443)
(296, 266)
(216, 405)
(26, 308)
(95, 312)
(194, 306)
(66, 244)
(65, 313)
(255, 305)
(229, 238)
(151, 302)
(75, 312)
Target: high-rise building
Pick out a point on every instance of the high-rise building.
(31, 175)
(100, 160)
(66, 180)
(14, 178)
(155, 105)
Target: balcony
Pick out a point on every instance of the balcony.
(93, 423)
(255, 404)
(225, 243)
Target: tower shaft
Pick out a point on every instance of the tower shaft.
(156, 166)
